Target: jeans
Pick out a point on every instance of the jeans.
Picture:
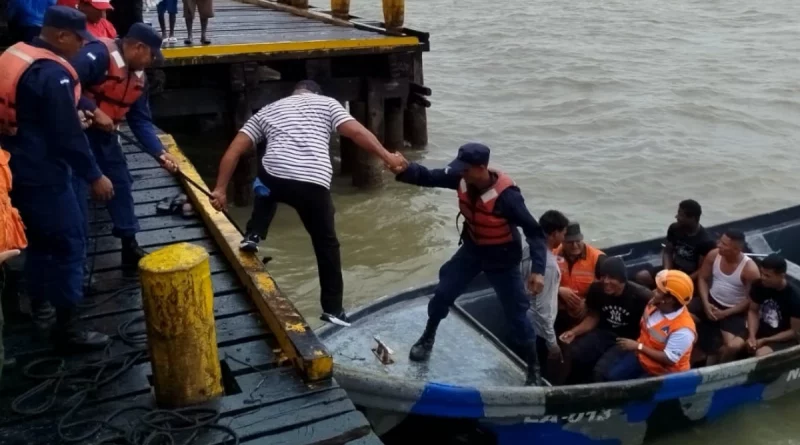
(627, 367)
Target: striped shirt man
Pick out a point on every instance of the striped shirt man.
(297, 130)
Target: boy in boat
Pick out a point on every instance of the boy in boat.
(544, 305)
(615, 307)
(774, 308)
(667, 333)
(722, 306)
(578, 262)
(687, 244)
(493, 208)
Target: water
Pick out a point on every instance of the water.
(610, 111)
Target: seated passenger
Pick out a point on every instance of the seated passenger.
(774, 308)
(687, 244)
(615, 308)
(578, 263)
(544, 305)
(667, 333)
(722, 309)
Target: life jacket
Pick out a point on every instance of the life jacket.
(581, 275)
(656, 337)
(481, 222)
(12, 231)
(120, 89)
(13, 63)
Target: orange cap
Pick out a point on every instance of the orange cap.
(677, 284)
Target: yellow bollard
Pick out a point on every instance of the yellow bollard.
(181, 335)
(340, 9)
(394, 14)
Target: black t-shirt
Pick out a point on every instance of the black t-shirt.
(620, 315)
(687, 249)
(777, 308)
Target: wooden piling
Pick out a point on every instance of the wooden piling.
(178, 302)
(395, 139)
(243, 76)
(340, 9)
(416, 116)
(368, 169)
(394, 14)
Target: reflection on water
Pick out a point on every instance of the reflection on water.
(609, 110)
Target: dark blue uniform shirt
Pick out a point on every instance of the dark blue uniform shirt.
(510, 205)
(50, 144)
(92, 64)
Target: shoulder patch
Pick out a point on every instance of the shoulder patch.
(64, 81)
(91, 56)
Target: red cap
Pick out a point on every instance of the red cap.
(103, 5)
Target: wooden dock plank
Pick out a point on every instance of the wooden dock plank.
(267, 401)
(239, 28)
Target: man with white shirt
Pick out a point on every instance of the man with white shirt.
(724, 285)
(667, 333)
(296, 169)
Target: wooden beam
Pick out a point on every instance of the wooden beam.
(294, 335)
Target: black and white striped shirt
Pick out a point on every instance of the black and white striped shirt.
(297, 130)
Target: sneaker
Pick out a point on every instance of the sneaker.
(341, 319)
(250, 243)
(172, 41)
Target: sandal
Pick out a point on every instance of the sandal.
(187, 211)
(164, 207)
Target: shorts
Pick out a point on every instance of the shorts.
(205, 8)
(168, 6)
(780, 346)
(708, 331)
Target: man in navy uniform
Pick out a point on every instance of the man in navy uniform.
(493, 208)
(115, 88)
(40, 126)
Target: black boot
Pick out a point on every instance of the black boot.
(534, 377)
(421, 351)
(131, 253)
(43, 315)
(68, 338)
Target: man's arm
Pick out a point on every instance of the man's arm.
(364, 138)
(91, 64)
(753, 319)
(419, 175)
(140, 122)
(589, 322)
(240, 145)
(65, 136)
(704, 277)
(512, 206)
(545, 307)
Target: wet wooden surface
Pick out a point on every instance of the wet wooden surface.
(240, 23)
(266, 400)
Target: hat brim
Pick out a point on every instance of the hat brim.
(573, 238)
(457, 167)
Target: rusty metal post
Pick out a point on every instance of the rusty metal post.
(340, 9)
(394, 14)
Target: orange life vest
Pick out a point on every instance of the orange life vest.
(13, 63)
(483, 225)
(581, 275)
(12, 232)
(120, 89)
(656, 337)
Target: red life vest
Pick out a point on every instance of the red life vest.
(14, 62)
(483, 225)
(120, 89)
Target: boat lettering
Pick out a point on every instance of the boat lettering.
(793, 374)
(587, 416)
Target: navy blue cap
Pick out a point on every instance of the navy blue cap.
(469, 155)
(147, 35)
(68, 19)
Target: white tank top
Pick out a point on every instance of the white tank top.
(728, 290)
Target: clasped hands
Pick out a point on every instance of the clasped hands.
(396, 163)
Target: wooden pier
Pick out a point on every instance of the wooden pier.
(260, 49)
(276, 373)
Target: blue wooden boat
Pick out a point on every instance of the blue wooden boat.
(471, 390)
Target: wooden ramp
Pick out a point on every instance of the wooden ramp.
(249, 29)
(267, 401)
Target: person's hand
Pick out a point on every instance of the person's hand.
(571, 298)
(761, 343)
(567, 337)
(710, 311)
(8, 254)
(219, 200)
(579, 312)
(535, 283)
(719, 314)
(752, 344)
(626, 344)
(554, 353)
(168, 162)
(397, 163)
(102, 121)
(102, 189)
(86, 117)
